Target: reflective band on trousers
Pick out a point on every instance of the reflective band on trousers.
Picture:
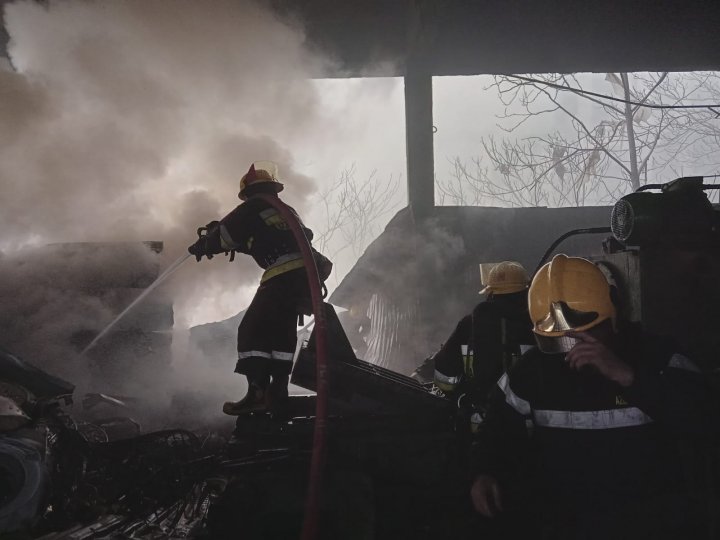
(274, 355)
(516, 402)
(605, 419)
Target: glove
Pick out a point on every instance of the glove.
(200, 248)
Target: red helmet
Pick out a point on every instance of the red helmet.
(260, 172)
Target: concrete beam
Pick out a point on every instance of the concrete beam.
(4, 36)
(419, 143)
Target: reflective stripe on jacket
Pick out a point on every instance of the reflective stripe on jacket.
(588, 440)
(257, 229)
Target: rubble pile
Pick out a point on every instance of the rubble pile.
(88, 475)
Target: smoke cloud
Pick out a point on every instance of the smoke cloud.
(132, 120)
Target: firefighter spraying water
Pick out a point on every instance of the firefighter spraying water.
(267, 334)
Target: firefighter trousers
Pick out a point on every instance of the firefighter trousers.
(267, 334)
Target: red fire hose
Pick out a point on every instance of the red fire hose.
(317, 462)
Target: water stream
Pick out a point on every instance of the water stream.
(162, 277)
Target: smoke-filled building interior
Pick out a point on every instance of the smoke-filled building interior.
(416, 408)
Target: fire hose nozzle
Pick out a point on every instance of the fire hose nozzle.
(203, 232)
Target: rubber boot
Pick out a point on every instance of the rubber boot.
(277, 398)
(254, 400)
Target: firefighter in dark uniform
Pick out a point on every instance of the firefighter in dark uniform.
(267, 334)
(485, 343)
(582, 432)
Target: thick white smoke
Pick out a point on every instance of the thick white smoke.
(128, 120)
(133, 120)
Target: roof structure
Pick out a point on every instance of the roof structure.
(470, 37)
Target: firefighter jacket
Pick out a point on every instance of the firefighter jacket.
(483, 345)
(257, 229)
(582, 441)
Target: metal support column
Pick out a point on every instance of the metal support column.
(419, 143)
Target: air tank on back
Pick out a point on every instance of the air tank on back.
(666, 262)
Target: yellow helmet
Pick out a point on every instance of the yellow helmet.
(568, 293)
(260, 172)
(504, 278)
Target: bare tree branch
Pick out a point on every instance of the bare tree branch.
(599, 150)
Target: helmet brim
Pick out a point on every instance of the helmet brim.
(558, 341)
(503, 289)
(279, 186)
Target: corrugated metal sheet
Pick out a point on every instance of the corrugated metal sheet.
(392, 328)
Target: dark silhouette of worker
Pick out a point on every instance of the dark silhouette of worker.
(487, 342)
(267, 334)
(581, 435)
